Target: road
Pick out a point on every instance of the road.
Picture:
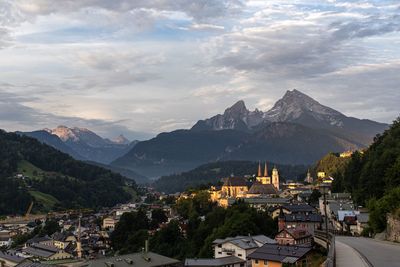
(375, 253)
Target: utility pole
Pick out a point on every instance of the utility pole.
(326, 219)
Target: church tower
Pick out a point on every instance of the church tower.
(259, 169)
(275, 178)
(265, 170)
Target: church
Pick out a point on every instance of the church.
(266, 179)
(238, 187)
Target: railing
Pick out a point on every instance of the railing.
(329, 241)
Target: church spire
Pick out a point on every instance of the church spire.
(265, 170)
(259, 169)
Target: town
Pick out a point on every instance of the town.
(304, 214)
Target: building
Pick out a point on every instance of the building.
(234, 187)
(239, 246)
(45, 240)
(309, 178)
(266, 179)
(274, 255)
(9, 259)
(294, 209)
(43, 252)
(259, 189)
(145, 259)
(230, 261)
(5, 241)
(310, 222)
(62, 240)
(109, 223)
(296, 236)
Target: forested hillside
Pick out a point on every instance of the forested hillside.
(373, 177)
(55, 175)
(211, 173)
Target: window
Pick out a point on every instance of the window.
(239, 255)
(265, 263)
(256, 261)
(220, 245)
(242, 265)
(219, 252)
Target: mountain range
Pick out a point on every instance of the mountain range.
(296, 130)
(83, 144)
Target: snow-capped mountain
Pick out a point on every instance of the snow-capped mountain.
(81, 143)
(120, 139)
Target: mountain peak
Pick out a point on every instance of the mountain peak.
(120, 139)
(238, 109)
(295, 106)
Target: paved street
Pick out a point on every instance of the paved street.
(377, 253)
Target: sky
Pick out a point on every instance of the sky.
(141, 67)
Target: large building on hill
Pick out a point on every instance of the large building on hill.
(241, 188)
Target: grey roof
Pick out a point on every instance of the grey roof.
(33, 264)
(4, 238)
(262, 200)
(303, 218)
(335, 206)
(363, 217)
(40, 250)
(246, 242)
(37, 239)
(263, 189)
(235, 181)
(299, 208)
(11, 257)
(280, 253)
(137, 259)
(213, 262)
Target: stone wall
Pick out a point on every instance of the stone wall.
(393, 228)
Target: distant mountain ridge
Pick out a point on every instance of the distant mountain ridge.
(296, 130)
(83, 144)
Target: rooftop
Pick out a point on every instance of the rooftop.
(278, 253)
(303, 218)
(136, 259)
(246, 242)
(235, 181)
(11, 257)
(213, 262)
(263, 189)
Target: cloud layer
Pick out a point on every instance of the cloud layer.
(134, 67)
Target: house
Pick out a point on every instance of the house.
(294, 209)
(239, 246)
(274, 255)
(43, 252)
(231, 261)
(62, 240)
(45, 240)
(299, 237)
(310, 222)
(146, 259)
(5, 241)
(362, 222)
(9, 259)
(109, 223)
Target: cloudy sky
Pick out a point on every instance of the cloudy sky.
(146, 66)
